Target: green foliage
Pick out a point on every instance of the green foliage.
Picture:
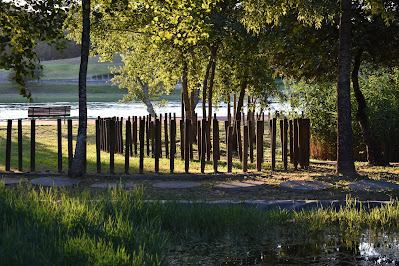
(23, 25)
(380, 88)
(156, 37)
(318, 103)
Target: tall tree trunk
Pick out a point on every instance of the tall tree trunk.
(78, 167)
(205, 86)
(237, 111)
(214, 49)
(146, 99)
(345, 159)
(374, 153)
(184, 87)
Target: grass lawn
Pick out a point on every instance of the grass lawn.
(46, 92)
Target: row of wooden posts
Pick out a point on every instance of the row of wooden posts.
(143, 138)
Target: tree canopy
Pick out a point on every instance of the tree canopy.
(23, 25)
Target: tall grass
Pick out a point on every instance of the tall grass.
(51, 227)
(58, 227)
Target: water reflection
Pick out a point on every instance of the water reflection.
(370, 249)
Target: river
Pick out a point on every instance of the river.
(110, 109)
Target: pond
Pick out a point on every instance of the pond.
(110, 109)
(368, 249)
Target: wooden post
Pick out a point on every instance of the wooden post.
(199, 139)
(98, 146)
(182, 139)
(59, 130)
(8, 145)
(273, 131)
(134, 136)
(117, 136)
(239, 143)
(157, 144)
(251, 140)
(112, 146)
(159, 132)
(305, 142)
(203, 144)
(259, 145)
(172, 144)
(284, 144)
(70, 147)
(226, 130)
(141, 137)
(19, 144)
(128, 142)
(228, 114)
(166, 136)
(291, 136)
(191, 138)
(32, 145)
(245, 152)
(295, 143)
(215, 144)
(208, 139)
(230, 149)
(148, 134)
(187, 145)
(153, 136)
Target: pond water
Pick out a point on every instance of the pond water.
(110, 109)
(368, 249)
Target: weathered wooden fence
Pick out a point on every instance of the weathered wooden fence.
(157, 137)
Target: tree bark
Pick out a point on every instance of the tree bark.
(184, 87)
(237, 111)
(78, 167)
(146, 99)
(374, 153)
(345, 159)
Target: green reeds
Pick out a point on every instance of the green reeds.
(117, 227)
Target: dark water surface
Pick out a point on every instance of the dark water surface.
(368, 249)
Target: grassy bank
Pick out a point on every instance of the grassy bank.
(46, 92)
(50, 227)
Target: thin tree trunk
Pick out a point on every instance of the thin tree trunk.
(345, 159)
(78, 167)
(374, 153)
(237, 111)
(184, 88)
(146, 99)
(205, 86)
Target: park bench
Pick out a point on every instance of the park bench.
(48, 111)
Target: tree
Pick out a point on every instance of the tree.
(78, 167)
(23, 24)
(314, 12)
(309, 53)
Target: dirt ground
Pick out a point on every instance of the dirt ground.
(318, 171)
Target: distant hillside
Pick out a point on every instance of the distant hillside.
(46, 52)
(69, 68)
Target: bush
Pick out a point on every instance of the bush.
(318, 103)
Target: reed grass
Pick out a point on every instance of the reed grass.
(116, 227)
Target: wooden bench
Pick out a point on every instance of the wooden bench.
(48, 111)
